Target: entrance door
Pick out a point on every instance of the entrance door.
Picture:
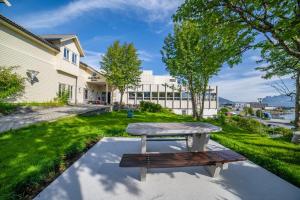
(108, 98)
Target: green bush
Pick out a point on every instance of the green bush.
(249, 124)
(282, 131)
(147, 106)
(248, 111)
(224, 110)
(63, 97)
(259, 114)
(11, 83)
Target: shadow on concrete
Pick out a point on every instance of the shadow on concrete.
(98, 173)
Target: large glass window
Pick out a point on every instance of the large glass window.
(213, 97)
(177, 96)
(162, 96)
(132, 95)
(184, 95)
(147, 95)
(154, 95)
(63, 88)
(139, 95)
(66, 54)
(169, 95)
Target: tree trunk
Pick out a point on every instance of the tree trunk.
(121, 100)
(297, 102)
(203, 99)
(194, 105)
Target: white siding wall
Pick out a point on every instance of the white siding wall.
(16, 50)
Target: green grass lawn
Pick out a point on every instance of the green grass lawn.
(31, 157)
(279, 155)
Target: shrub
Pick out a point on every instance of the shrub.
(224, 110)
(147, 106)
(63, 97)
(282, 131)
(259, 114)
(248, 124)
(11, 83)
(248, 111)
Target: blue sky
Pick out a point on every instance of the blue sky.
(146, 23)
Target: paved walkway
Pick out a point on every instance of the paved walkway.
(16, 121)
(97, 176)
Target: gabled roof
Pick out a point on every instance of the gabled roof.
(89, 67)
(38, 39)
(64, 37)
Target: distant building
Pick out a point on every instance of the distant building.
(241, 105)
(257, 105)
(164, 90)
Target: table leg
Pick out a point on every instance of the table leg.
(143, 170)
(214, 170)
(143, 144)
(199, 142)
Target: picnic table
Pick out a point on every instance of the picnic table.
(214, 160)
(198, 130)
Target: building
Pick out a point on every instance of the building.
(165, 90)
(51, 64)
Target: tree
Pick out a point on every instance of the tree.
(121, 66)
(279, 63)
(11, 83)
(278, 21)
(196, 52)
(182, 55)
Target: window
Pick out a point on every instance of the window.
(70, 90)
(162, 96)
(66, 54)
(173, 80)
(63, 88)
(147, 95)
(154, 95)
(85, 93)
(74, 58)
(177, 96)
(184, 96)
(131, 95)
(213, 96)
(139, 96)
(170, 95)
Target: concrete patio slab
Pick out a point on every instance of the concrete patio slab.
(97, 175)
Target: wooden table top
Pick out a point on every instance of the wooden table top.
(170, 129)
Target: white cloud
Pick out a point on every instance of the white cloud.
(146, 56)
(249, 88)
(255, 58)
(92, 58)
(148, 10)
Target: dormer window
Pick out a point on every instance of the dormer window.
(66, 54)
(74, 58)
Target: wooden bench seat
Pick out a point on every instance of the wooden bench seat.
(213, 159)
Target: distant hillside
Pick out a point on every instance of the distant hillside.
(279, 101)
(223, 101)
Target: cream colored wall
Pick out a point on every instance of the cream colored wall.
(67, 65)
(17, 50)
(67, 79)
